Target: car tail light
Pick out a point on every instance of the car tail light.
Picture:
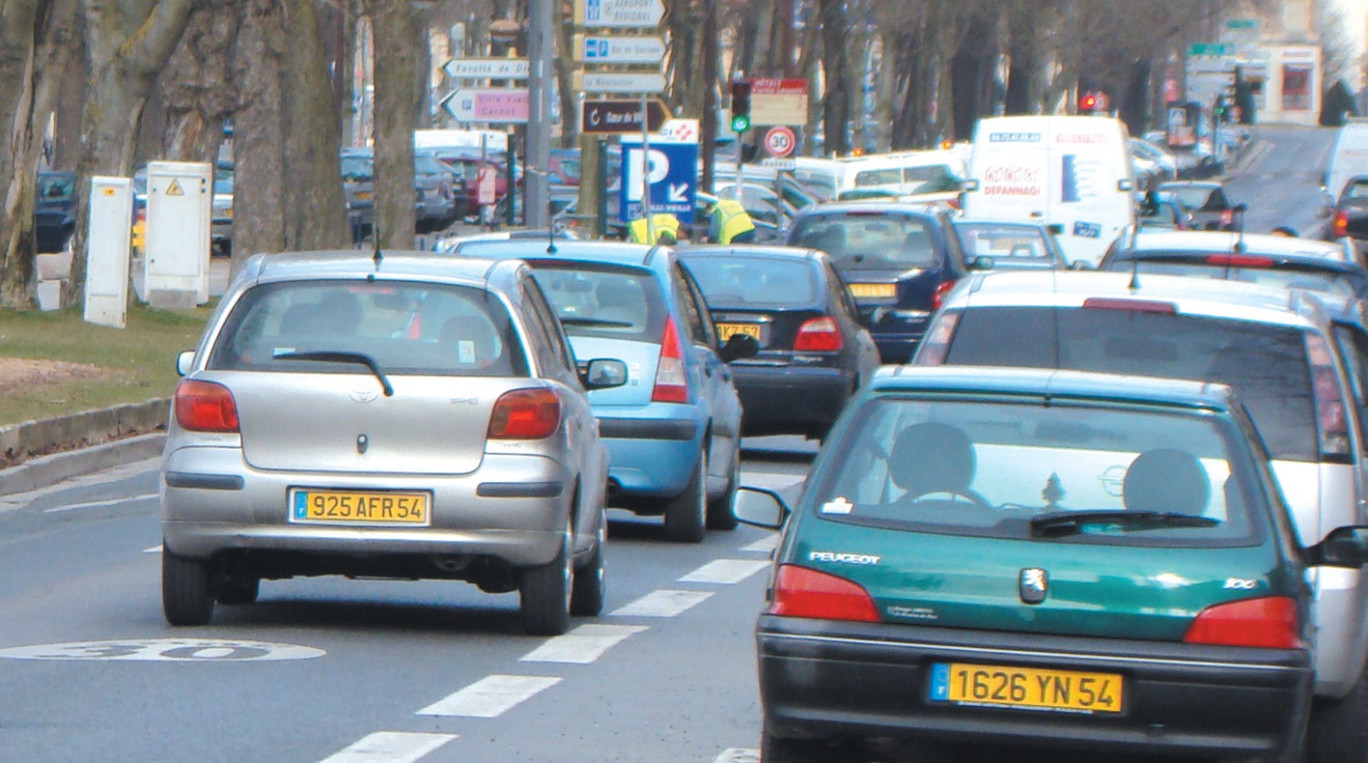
(941, 290)
(1341, 225)
(672, 379)
(525, 414)
(1134, 305)
(818, 335)
(1331, 423)
(802, 592)
(1227, 218)
(203, 406)
(936, 344)
(1240, 261)
(1270, 622)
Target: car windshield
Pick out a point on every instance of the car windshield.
(1003, 241)
(869, 241)
(1334, 282)
(1071, 472)
(603, 300)
(55, 187)
(1266, 364)
(749, 282)
(1195, 197)
(406, 328)
(356, 168)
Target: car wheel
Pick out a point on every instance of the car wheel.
(1337, 731)
(545, 592)
(187, 595)
(238, 591)
(775, 749)
(686, 514)
(588, 588)
(720, 514)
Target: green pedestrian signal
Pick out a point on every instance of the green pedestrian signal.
(740, 123)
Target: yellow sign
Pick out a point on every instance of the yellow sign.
(1028, 687)
(175, 189)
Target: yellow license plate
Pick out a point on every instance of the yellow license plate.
(874, 289)
(725, 330)
(363, 195)
(360, 508)
(1030, 688)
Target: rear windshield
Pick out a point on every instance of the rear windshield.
(990, 468)
(755, 281)
(603, 300)
(864, 242)
(407, 328)
(55, 187)
(1310, 278)
(1003, 242)
(1266, 364)
(356, 168)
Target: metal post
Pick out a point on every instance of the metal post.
(541, 50)
(646, 174)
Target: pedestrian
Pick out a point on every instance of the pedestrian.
(729, 222)
(666, 228)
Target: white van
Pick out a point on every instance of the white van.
(903, 173)
(1073, 172)
(494, 141)
(1348, 159)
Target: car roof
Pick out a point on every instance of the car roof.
(1052, 383)
(1225, 241)
(1213, 184)
(871, 207)
(611, 252)
(750, 250)
(360, 263)
(1190, 296)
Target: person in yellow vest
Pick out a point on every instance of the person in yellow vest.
(729, 222)
(666, 229)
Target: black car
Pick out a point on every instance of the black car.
(814, 353)
(1350, 215)
(54, 215)
(1206, 200)
(1009, 245)
(900, 259)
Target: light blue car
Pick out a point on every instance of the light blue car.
(674, 429)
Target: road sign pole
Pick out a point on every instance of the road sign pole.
(646, 175)
(540, 50)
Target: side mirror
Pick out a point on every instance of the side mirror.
(760, 508)
(603, 373)
(982, 262)
(1056, 228)
(1344, 547)
(739, 346)
(184, 362)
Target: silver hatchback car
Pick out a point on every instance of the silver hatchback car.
(400, 416)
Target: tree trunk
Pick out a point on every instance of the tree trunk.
(18, 42)
(197, 96)
(396, 113)
(836, 99)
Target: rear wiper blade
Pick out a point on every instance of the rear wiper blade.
(569, 321)
(1060, 523)
(337, 356)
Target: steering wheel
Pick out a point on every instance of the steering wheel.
(972, 496)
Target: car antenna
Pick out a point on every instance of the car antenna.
(375, 239)
(550, 229)
(1239, 246)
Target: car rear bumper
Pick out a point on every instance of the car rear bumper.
(869, 680)
(653, 451)
(790, 399)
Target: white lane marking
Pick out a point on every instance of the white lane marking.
(164, 649)
(157, 549)
(764, 545)
(490, 696)
(725, 571)
(662, 603)
(100, 504)
(771, 481)
(738, 755)
(582, 645)
(390, 747)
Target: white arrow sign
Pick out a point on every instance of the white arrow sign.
(620, 82)
(619, 13)
(594, 49)
(678, 192)
(487, 68)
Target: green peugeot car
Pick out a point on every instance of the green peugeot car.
(1041, 559)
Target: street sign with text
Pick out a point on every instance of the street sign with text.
(609, 116)
(671, 173)
(619, 13)
(619, 82)
(598, 49)
(487, 68)
(779, 101)
(488, 104)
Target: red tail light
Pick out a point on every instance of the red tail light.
(818, 335)
(1240, 261)
(525, 414)
(801, 592)
(672, 379)
(1134, 305)
(936, 344)
(1331, 423)
(1341, 223)
(941, 290)
(1227, 218)
(1269, 622)
(203, 406)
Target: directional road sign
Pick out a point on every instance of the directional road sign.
(487, 104)
(671, 169)
(620, 82)
(487, 68)
(619, 13)
(597, 49)
(605, 117)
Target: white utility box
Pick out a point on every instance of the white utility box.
(180, 198)
(111, 222)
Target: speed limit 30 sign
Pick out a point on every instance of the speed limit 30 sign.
(780, 141)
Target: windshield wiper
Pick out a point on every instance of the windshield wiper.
(337, 356)
(1058, 524)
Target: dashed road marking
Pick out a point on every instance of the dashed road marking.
(725, 571)
(764, 545)
(100, 504)
(582, 645)
(491, 696)
(662, 603)
(738, 755)
(157, 549)
(390, 747)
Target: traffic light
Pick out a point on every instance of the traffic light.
(1087, 102)
(740, 105)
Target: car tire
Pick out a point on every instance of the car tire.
(686, 514)
(187, 590)
(775, 749)
(238, 591)
(1337, 731)
(720, 513)
(588, 588)
(545, 592)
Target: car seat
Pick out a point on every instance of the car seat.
(621, 302)
(468, 340)
(932, 457)
(1166, 480)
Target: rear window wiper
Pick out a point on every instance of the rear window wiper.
(568, 321)
(337, 356)
(1058, 524)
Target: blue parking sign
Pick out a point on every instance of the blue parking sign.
(671, 169)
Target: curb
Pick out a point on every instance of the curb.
(93, 440)
(46, 471)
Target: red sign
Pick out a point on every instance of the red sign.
(779, 87)
(780, 141)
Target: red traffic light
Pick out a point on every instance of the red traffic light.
(1087, 101)
(740, 97)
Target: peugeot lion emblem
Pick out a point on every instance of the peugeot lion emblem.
(1033, 584)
